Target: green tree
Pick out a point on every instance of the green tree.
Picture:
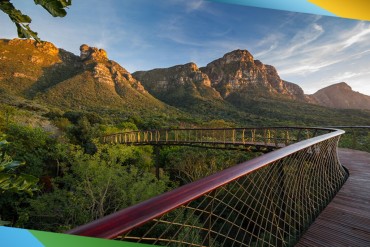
(189, 164)
(35, 147)
(11, 181)
(55, 7)
(92, 186)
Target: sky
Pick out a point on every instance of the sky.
(310, 50)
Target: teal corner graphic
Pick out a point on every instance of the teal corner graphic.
(16, 237)
(302, 6)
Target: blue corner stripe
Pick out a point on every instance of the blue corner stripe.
(289, 5)
(15, 237)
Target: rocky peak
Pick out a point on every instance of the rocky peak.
(178, 83)
(186, 74)
(343, 86)
(341, 95)
(188, 68)
(237, 73)
(92, 53)
(237, 56)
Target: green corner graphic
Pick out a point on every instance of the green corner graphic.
(49, 239)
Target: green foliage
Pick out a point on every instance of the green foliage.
(6, 114)
(358, 139)
(21, 21)
(189, 164)
(55, 7)
(62, 123)
(33, 146)
(93, 186)
(10, 181)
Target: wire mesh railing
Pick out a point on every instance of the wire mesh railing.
(268, 201)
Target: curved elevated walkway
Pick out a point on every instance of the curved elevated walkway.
(346, 220)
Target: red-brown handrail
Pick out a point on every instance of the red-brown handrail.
(127, 219)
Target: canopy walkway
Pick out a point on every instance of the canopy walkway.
(270, 200)
(346, 220)
(252, 139)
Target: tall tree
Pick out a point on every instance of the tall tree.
(55, 7)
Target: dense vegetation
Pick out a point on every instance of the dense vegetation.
(78, 179)
(67, 178)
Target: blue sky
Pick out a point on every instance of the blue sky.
(310, 50)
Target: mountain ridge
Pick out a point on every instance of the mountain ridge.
(341, 96)
(57, 77)
(235, 88)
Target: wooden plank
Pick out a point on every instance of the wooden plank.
(346, 220)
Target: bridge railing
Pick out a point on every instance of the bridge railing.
(275, 137)
(268, 201)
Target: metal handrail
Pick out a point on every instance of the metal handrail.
(130, 218)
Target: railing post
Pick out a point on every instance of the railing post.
(233, 136)
(157, 136)
(265, 137)
(243, 136)
(276, 138)
(286, 137)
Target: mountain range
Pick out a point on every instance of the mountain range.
(235, 87)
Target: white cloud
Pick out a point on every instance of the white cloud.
(313, 49)
(192, 5)
(302, 40)
(347, 76)
(363, 35)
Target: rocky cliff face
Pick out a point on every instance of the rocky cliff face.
(178, 84)
(341, 96)
(89, 81)
(28, 67)
(238, 74)
(108, 72)
(92, 81)
(87, 52)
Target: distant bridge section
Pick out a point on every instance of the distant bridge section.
(252, 139)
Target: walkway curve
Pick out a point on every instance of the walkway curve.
(346, 220)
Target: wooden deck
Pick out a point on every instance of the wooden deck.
(346, 220)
